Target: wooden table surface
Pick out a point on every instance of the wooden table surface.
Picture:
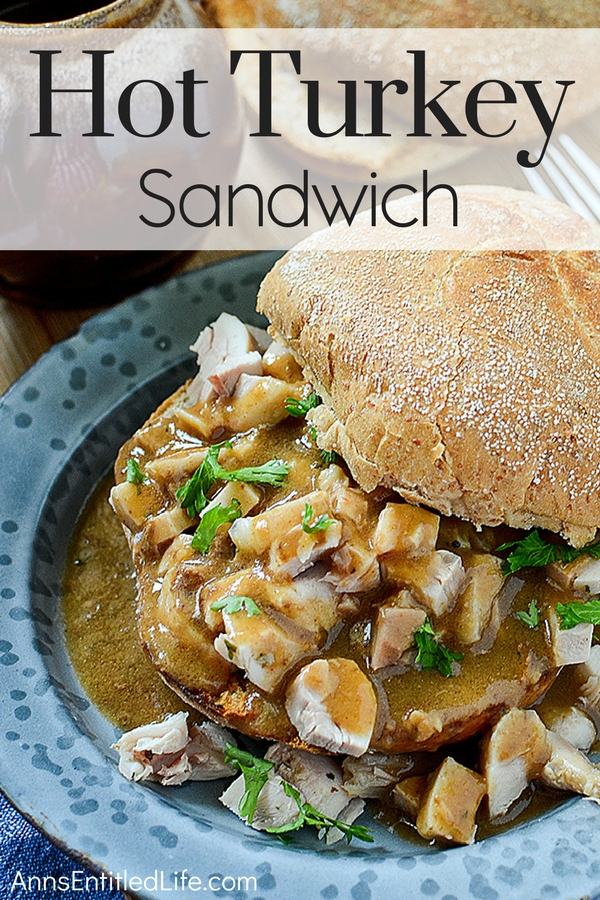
(26, 332)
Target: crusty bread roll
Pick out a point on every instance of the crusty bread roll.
(413, 13)
(468, 380)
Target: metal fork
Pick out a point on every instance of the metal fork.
(572, 175)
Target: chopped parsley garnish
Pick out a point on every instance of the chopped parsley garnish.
(193, 495)
(432, 654)
(329, 457)
(235, 603)
(308, 815)
(572, 614)
(210, 522)
(531, 617)
(322, 523)
(256, 774)
(299, 408)
(533, 550)
(134, 473)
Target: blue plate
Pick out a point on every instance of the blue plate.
(61, 427)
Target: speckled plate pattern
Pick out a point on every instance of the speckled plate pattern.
(60, 427)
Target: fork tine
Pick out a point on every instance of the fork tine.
(538, 185)
(587, 194)
(571, 197)
(587, 165)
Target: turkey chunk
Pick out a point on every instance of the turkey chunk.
(408, 795)
(279, 362)
(514, 753)
(307, 601)
(435, 580)
(297, 550)
(259, 400)
(225, 350)
(130, 504)
(176, 467)
(274, 808)
(589, 673)
(475, 606)
(317, 777)
(354, 567)
(572, 724)
(373, 774)
(261, 647)
(394, 633)
(332, 704)
(583, 574)
(167, 752)
(569, 769)
(257, 534)
(406, 530)
(569, 645)
(165, 526)
(450, 804)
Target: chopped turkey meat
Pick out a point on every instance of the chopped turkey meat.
(317, 777)
(307, 602)
(515, 752)
(261, 647)
(569, 645)
(225, 350)
(259, 400)
(279, 362)
(408, 795)
(256, 534)
(296, 551)
(475, 606)
(354, 567)
(176, 467)
(332, 704)
(406, 530)
(129, 504)
(168, 752)
(569, 769)
(274, 807)
(570, 723)
(394, 633)
(589, 673)
(583, 574)
(435, 580)
(165, 526)
(450, 804)
(373, 774)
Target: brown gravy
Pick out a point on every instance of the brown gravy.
(101, 630)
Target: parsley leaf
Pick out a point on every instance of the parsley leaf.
(572, 614)
(134, 473)
(433, 655)
(329, 457)
(531, 617)
(210, 522)
(235, 603)
(193, 495)
(533, 550)
(322, 523)
(308, 815)
(256, 774)
(298, 408)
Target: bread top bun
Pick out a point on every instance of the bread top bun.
(467, 380)
(413, 13)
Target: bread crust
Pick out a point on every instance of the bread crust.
(413, 13)
(467, 380)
